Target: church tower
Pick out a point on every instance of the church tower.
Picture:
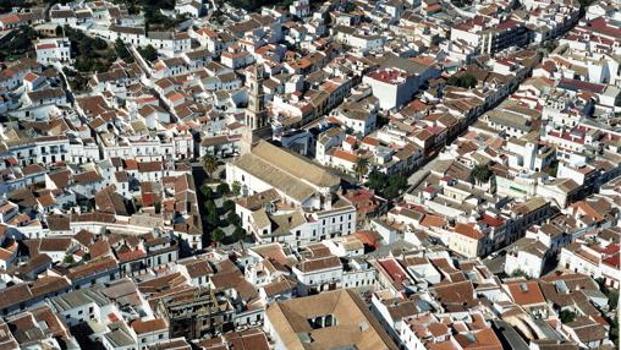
(247, 141)
(256, 115)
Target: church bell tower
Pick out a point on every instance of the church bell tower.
(256, 115)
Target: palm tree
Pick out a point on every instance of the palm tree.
(210, 164)
(217, 235)
(481, 173)
(362, 167)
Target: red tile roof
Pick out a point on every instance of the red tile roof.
(468, 230)
(526, 293)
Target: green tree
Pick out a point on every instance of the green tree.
(519, 273)
(99, 43)
(481, 174)
(207, 191)
(17, 43)
(132, 7)
(239, 234)
(148, 53)
(465, 80)
(567, 316)
(91, 54)
(611, 293)
(223, 188)
(614, 330)
(362, 167)
(69, 259)
(212, 213)
(389, 187)
(228, 205)
(233, 219)
(376, 181)
(210, 164)
(236, 188)
(613, 298)
(396, 184)
(552, 169)
(217, 235)
(586, 3)
(122, 51)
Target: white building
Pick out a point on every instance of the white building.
(50, 51)
(595, 262)
(84, 305)
(319, 275)
(527, 255)
(392, 87)
(192, 8)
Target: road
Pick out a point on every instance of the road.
(199, 176)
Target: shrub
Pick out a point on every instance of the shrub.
(239, 234)
(228, 205)
(466, 80)
(223, 188)
(217, 235)
(233, 219)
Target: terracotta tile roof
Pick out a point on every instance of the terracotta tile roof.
(484, 339)
(323, 263)
(149, 326)
(252, 339)
(92, 268)
(468, 230)
(526, 293)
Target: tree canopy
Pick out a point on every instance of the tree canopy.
(91, 54)
(17, 43)
(210, 164)
(148, 53)
(236, 188)
(481, 173)
(122, 51)
(389, 187)
(362, 167)
(567, 316)
(217, 235)
(466, 80)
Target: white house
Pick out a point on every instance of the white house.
(53, 50)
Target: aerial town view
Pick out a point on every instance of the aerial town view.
(310, 174)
